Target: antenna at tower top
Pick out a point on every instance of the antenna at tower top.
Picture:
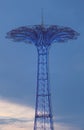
(42, 17)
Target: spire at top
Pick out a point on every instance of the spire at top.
(42, 17)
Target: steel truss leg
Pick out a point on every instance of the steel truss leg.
(43, 114)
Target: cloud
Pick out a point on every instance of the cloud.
(17, 117)
(8, 109)
(14, 116)
(13, 120)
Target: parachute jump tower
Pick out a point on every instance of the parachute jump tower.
(42, 36)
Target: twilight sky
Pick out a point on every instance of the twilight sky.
(18, 65)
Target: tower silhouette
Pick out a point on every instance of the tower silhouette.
(42, 36)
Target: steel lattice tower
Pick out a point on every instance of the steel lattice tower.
(42, 37)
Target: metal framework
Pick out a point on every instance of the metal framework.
(42, 37)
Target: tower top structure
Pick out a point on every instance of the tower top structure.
(42, 35)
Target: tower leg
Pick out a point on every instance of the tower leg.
(43, 113)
